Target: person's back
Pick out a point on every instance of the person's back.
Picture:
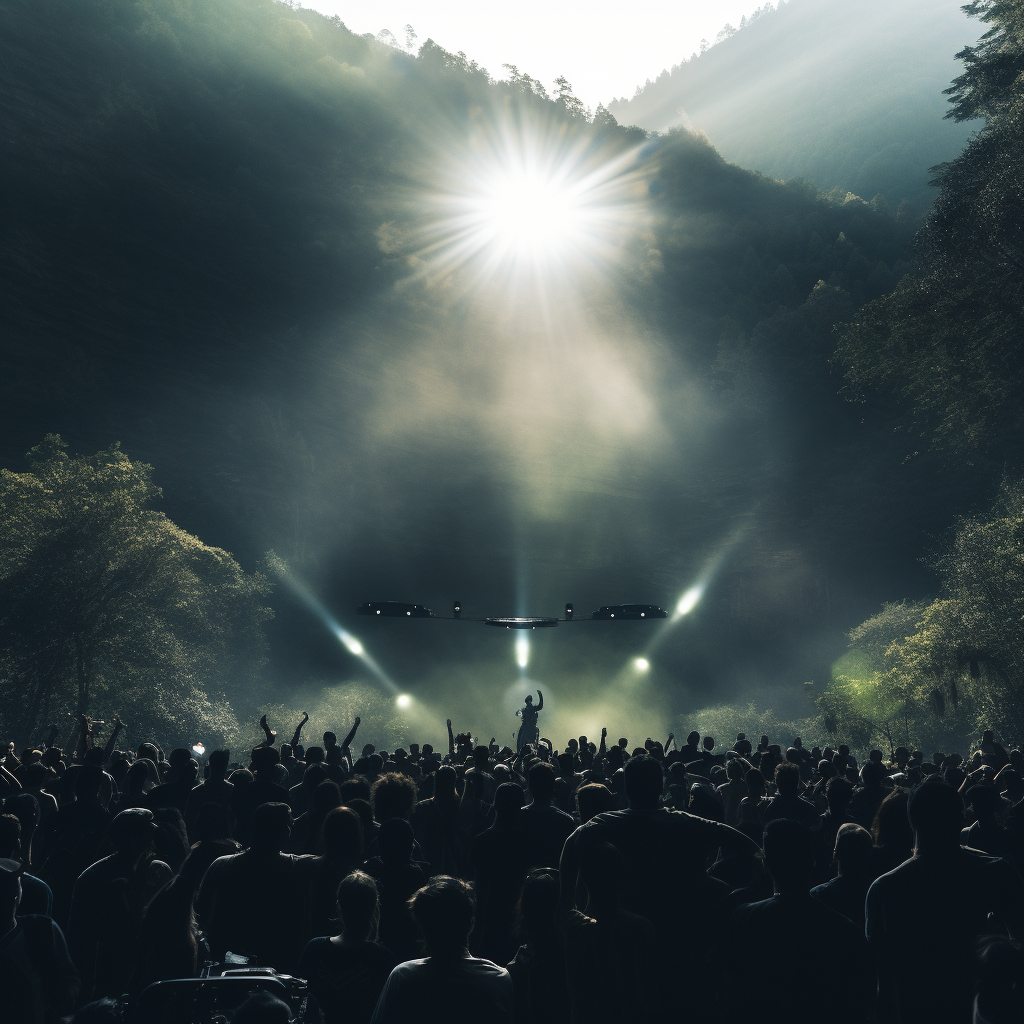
(544, 827)
(255, 903)
(833, 971)
(943, 892)
(214, 790)
(846, 892)
(448, 980)
(262, 790)
(499, 861)
(399, 877)
(347, 972)
(787, 803)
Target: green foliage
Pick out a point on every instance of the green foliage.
(939, 673)
(108, 606)
(724, 721)
(947, 342)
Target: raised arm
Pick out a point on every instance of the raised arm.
(670, 743)
(602, 750)
(540, 701)
(451, 740)
(298, 730)
(112, 742)
(347, 742)
(268, 732)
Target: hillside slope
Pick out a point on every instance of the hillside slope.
(846, 95)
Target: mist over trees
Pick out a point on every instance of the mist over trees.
(845, 95)
(216, 258)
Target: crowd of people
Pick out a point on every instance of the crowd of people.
(763, 882)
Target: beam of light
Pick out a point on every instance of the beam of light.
(403, 700)
(348, 641)
(198, 748)
(689, 601)
(641, 664)
(522, 652)
(527, 193)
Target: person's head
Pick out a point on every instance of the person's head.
(356, 788)
(985, 801)
(891, 827)
(706, 803)
(592, 799)
(394, 795)
(133, 831)
(542, 782)
(565, 765)
(875, 755)
(789, 854)
(443, 909)
(529, 698)
(264, 759)
(755, 783)
(734, 769)
(838, 793)
(644, 782)
(87, 783)
(218, 762)
(508, 799)
(872, 773)
(787, 778)
(286, 751)
(537, 905)
(446, 785)
(270, 827)
(330, 740)
(325, 798)
(936, 814)
(314, 755)
(262, 1008)
(853, 850)
(358, 906)
(10, 837)
(343, 836)
(395, 839)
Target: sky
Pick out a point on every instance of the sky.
(602, 51)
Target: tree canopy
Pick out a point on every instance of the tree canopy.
(106, 606)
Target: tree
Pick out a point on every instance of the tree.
(942, 671)
(564, 96)
(947, 342)
(104, 602)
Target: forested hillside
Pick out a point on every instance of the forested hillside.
(846, 95)
(215, 255)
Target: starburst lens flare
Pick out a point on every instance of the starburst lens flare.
(527, 197)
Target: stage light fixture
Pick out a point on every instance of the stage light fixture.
(457, 609)
(568, 613)
(394, 609)
(513, 622)
(630, 611)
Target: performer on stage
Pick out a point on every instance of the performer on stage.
(529, 732)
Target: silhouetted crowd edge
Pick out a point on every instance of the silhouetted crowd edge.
(762, 883)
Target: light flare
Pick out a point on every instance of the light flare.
(522, 652)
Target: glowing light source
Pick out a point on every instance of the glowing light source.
(641, 664)
(403, 701)
(689, 600)
(198, 748)
(351, 643)
(522, 652)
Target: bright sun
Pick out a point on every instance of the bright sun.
(527, 211)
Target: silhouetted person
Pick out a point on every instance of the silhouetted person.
(529, 731)
(342, 849)
(610, 955)
(834, 972)
(255, 903)
(347, 972)
(214, 790)
(38, 981)
(544, 827)
(438, 826)
(181, 779)
(36, 897)
(787, 802)
(846, 892)
(499, 858)
(399, 877)
(262, 790)
(427, 990)
(893, 836)
(666, 854)
(945, 893)
(865, 801)
(107, 905)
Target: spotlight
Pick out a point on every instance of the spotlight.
(198, 749)
(529, 622)
(629, 611)
(568, 613)
(351, 643)
(403, 701)
(641, 664)
(394, 609)
(522, 652)
(689, 600)
(457, 609)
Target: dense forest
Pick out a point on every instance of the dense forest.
(221, 255)
(846, 95)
